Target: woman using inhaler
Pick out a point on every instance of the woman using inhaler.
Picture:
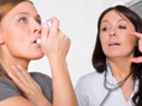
(20, 29)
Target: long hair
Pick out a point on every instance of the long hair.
(7, 5)
(99, 58)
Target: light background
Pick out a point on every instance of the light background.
(78, 20)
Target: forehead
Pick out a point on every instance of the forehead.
(23, 7)
(113, 16)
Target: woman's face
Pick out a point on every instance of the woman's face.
(19, 30)
(115, 35)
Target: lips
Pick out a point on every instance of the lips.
(114, 44)
(37, 40)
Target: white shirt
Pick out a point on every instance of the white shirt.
(90, 91)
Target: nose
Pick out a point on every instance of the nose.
(36, 27)
(112, 32)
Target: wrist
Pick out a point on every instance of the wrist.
(58, 67)
(43, 102)
(57, 61)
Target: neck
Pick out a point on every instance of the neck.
(120, 68)
(7, 62)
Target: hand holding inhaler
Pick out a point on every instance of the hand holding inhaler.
(54, 43)
(49, 24)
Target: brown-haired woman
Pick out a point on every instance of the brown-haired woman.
(20, 28)
(117, 60)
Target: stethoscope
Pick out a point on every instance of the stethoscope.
(113, 88)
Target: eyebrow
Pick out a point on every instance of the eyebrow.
(117, 20)
(37, 16)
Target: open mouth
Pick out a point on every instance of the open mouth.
(114, 44)
(37, 41)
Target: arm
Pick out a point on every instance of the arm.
(55, 46)
(16, 101)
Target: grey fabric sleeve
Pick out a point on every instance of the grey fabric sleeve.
(7, 89)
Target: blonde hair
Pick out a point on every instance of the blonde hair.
(7, 5)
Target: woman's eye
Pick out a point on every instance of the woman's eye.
(39, 21)
(23, 19)
(105, 29)
(122, 27)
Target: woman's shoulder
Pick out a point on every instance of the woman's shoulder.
(6, 83)
(7, 89)
(88, 86)
(93, 79)
(92, 76)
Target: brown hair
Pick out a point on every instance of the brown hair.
(8, 5)
(5, 7)
(99, 58)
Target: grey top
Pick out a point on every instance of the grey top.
(8, 89)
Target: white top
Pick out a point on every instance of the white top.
(90, 90)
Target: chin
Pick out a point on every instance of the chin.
(37, 57)
(113, 55)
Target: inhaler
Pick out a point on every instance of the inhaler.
(49, 24)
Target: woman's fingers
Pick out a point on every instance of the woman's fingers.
(136, 34)
(136, 60)
(140, 45)
(21, 74)
(28, 87)
(53, 30)
(139, 36)
(15, 78)
(55, 26)
(45, 32)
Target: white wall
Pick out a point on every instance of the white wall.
(78, 20)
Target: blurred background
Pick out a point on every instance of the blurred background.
(78, 20)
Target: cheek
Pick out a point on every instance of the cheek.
(14, 38)
(129, 41)
(103, 40)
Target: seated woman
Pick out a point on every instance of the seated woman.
(117, 59)
(20, 28)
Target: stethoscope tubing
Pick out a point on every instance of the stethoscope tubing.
(118, 85)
